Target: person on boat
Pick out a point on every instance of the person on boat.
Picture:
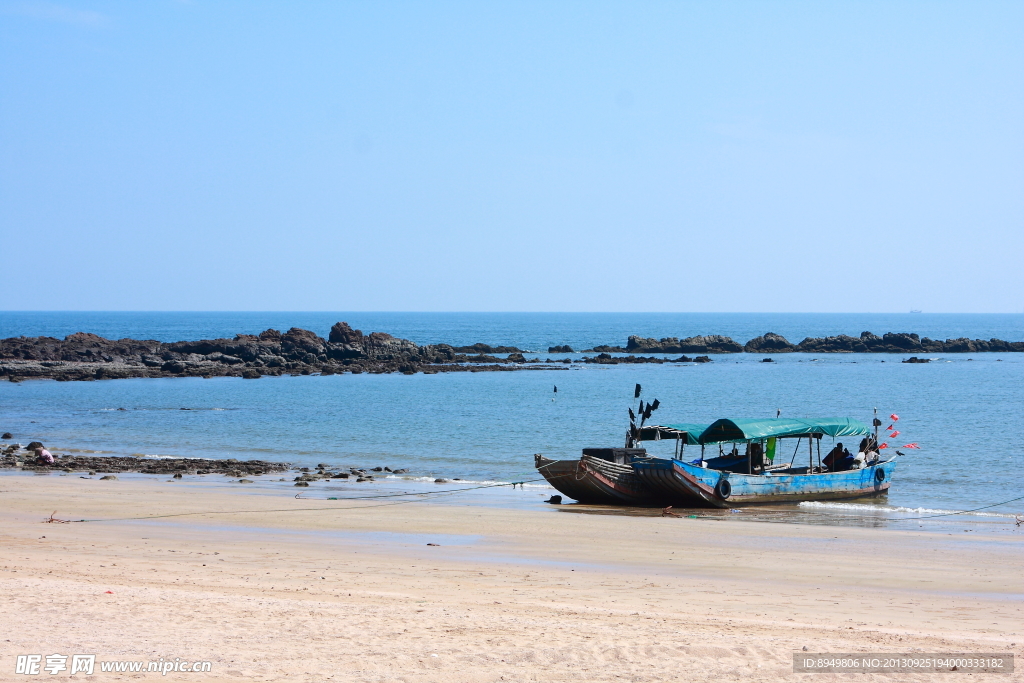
(838, 459)
(756, 455)
(43, 456)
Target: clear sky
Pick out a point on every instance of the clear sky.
(496, 156)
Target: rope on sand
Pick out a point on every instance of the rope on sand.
(449, 492)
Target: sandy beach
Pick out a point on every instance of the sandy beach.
(354, 592)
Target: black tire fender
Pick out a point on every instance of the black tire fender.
(879, 475)
(723, 489)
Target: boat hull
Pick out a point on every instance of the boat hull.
(597, 482)
(690, 485)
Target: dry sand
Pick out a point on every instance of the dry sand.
(356, 594)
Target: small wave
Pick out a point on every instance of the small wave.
(859, 507)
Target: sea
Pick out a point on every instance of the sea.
(964, 411)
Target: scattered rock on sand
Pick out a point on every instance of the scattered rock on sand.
(245, 481)
(302, 483)
(108, 477)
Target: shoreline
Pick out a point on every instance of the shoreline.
(358, 594)
(873, 513)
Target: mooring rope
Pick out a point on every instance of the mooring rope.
(449, 492)
(964, 512)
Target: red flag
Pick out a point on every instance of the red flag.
(884, 445)
(889, 428)
(911, 445)
(894, 435)
(894, 417)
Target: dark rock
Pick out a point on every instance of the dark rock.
(246, 481)
(322, 466)
(177, 475)
(440, 481)
(486, 348)
(401, 471)
(915, 359)
(565, 348)
(769, 342)
(341, 475)
(108, 477)
(554, 500)
(250, 373)
(712, 343)
(767, 360)
(516, 358)
(302, 483)
(7, 435)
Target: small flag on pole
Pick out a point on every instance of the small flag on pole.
(894, 417)
(894, 435)
(911, 445)
(881, 446)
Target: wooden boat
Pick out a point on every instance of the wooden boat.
(602, 476)
(724, 482)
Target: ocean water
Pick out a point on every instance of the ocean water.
(965, 411)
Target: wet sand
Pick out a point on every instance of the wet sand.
(351, 591)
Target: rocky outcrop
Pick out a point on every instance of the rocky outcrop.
(904, 342)
(487, 348)
(84, 356)
(769, 342)
(565, 348)
(712, 343)
(14, 458)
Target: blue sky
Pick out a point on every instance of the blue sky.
(489, 156)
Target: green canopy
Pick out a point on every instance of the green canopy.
(688, 433)
(752, 430)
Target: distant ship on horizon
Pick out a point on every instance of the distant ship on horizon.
(914, 310)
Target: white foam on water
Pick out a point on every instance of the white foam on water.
(860, 507)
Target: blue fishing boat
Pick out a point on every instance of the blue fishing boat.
(734, 479)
